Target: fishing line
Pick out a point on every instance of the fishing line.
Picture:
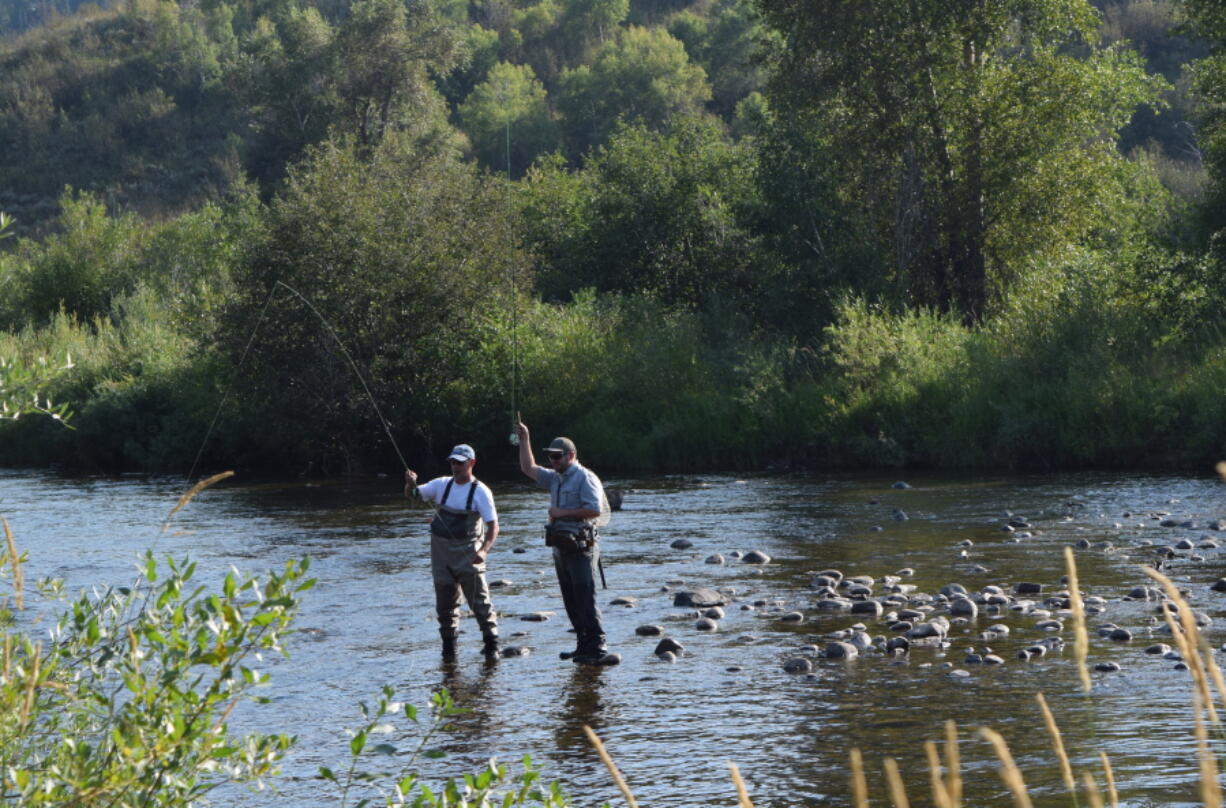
(354, 365)
(226, 394)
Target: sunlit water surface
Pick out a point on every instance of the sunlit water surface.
(672, 728)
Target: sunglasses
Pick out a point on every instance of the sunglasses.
(556, 455)
(455, 462)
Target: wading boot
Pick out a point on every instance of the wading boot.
(568, 654)
(490, 647)
(448, 644)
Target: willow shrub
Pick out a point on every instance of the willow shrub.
(636, 384)
(1079, 371)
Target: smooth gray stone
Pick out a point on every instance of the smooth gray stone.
(835, 574)
(1184, 544)
(537, 617)
(1083, 544)
(756, 557)
(872, 607)
(734, 669)
(992, 659)
(667, 656)
(1027, 588)
(841, 650)
(792, 617)
(926, 631)
(706, 624)
(859, 591)
(714, 559)
(798, 665)
(897, 645)
(699, 598)
(900, 486)
(669, 645)
(1161, 649)
(1107, 667)
(501, 583)
(950, 590)
(1049, 625)
(1120, 635)
(649, 631)
(624, 600)
(900, 516)
(519, 550)
(715, 613)
(833, 605)
(516, 651)
(1037, 650)
(681, 544)
(1219, 586)
(824, 582)
(963, 607)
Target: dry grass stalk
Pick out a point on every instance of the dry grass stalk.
(1093, 797)
(8, 657)
(940, 793)
(953, 765)
(742, 795)
(19, 578)
(859, 785)
(1112, 794)
(1057, 743)
(1009, 772)
(192, 492)
(898, 794)
(1081, 638)
(31, 684)
(611, 766)
(1210, 789)
(1188, 640)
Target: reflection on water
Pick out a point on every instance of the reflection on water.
(672, 727)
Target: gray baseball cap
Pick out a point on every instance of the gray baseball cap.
(561, 445)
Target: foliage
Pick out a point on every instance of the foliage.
(642, 75)
(507, 118)
(659, 213)
(399, 256)
(492, 786)
(127, 702)
(955, 133)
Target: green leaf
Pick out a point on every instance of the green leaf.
(327, 773)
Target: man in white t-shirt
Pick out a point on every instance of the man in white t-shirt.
(464, 529)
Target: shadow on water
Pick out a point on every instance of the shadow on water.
(672, 727)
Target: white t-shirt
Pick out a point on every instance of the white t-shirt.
(483, 500)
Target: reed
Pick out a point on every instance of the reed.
(898, 794)
(953, 765)
(31, 685)
(1009, 772)
(1081, 637)
(1057, 742)
(1109, 775)
(191, 494)
(742, 795)
(19, 579)
(610, 765)
(1093, 797)
(940, 792)
(1187, 637)
(1210, 788)
(859, 784)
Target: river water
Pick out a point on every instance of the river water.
(672, 727)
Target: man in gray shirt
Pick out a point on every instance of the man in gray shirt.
(576, 500)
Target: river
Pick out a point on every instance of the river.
(672, 727)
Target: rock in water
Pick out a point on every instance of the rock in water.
(699, 599)
(756, 557)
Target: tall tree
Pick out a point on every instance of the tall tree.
(971, 135)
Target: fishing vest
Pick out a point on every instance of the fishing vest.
(452, 523)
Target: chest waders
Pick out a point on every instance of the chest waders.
(579, 538)
(453, 523)
(455, 532)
